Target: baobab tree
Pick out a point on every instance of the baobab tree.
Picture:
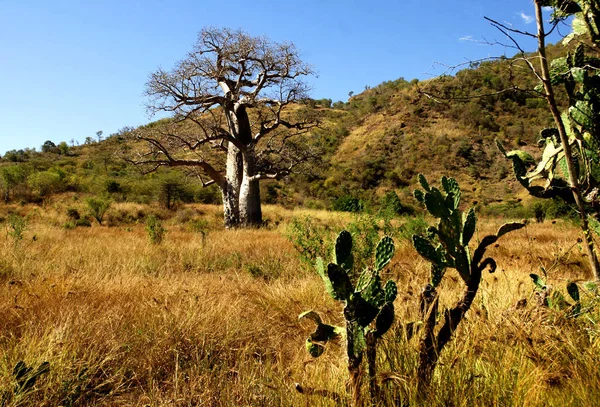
(235, 117)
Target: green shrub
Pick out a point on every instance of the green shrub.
(73, 214)
(113, 187)
(348, 203)
(538, 210)
(413, 226)
(558, 209)
(308, 238)
(16, 226)
(391, 205)
(97, 207)
(45, 183)
(156, 231)
(83, 222)
(10, 177)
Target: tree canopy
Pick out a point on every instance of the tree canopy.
(234, 117)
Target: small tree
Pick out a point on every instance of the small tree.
(156, 231)
(10, 177)
(233, 120)
(97, 208)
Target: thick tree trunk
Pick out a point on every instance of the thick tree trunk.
(231, 213)
(250, 206)
(230, 190)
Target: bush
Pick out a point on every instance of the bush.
(556, 208)
(154, 228)
(209, 195)
(391, 205)
(98, 207)
(172, 188)
(73, 214)
(16, 227)
(10, 177)
(45, 183)
(113, 187)
(348, 203)
(413, 226)
(308, 239)
(538, 210)
(83, 222)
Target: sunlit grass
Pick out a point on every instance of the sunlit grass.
(210, 318)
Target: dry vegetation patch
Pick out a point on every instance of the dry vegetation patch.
(212, 320)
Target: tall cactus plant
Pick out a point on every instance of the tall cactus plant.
(368, 309)
(447, 246)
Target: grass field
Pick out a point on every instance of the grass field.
(210, 319)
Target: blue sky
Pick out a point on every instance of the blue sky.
(71, 68)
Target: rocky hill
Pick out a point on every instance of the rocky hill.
(376, 142)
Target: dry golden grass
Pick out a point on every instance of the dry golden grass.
(213, 321)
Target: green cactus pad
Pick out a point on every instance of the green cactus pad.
(340, 282)
(462, 264)
(426, 249)
(360, 311)
(391, 291)
(573, 291)
(384, 252)
(582, 113)
(343, 250)
(509, 227)
(435, 204)
(373, 293)
(364, 279)
(524, 156)
(320, 266)
(423, 182)
(452, 188)
(437, 273)
(325, 332)
(540, 284)
(359, 342)
(419, 195)
(470, 222)
(579, 75)
(314, 349)
(312, 315)
(384, 319)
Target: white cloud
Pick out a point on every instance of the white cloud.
(466, 38)
(527, 19)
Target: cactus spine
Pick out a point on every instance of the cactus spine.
(368, 309)
(447, 246)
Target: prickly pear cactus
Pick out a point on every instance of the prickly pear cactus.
(369, 304)
(554, 299)
(447, 244)
(548, 177)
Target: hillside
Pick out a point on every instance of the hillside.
(376, 142)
